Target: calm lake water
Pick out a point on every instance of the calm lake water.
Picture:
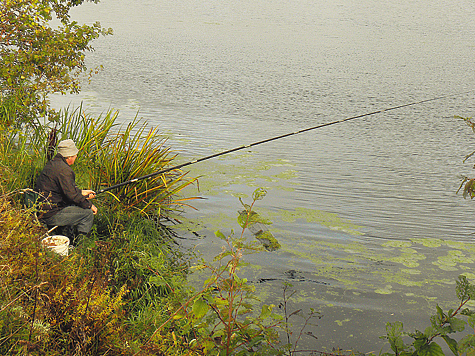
(366, 211)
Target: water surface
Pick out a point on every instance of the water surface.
(366, 212)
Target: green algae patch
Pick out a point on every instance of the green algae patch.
(403, 280)
(232, 173)
(409, 258)
(236, 195)
(382, 266)
(428, 242)
(329, 220)
(410, 271)
(457, 245)
(352, 265)
(340, 322)
(469, 275)
(386, 290)
(198, 224)
(285, 188)
(448, 268)
(408, 261)
(288, 174)
(451, 260)
(397, 243)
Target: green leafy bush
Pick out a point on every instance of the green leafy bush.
(223, 314)
(442, 326)
(50, 302)
(40, 56)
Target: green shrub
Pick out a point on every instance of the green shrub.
(443, 326)
(50, 302)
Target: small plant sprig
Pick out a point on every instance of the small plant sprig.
(224, 313)
(442, 325)
(467, 184)
(288, 292)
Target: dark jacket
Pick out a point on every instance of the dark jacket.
(57, 187)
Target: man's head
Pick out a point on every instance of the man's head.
(68, 150)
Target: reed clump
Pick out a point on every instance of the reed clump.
(110, 153)
(129, 273)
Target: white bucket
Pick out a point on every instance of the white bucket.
(57, 243)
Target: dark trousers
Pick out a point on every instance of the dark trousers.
(78, 218)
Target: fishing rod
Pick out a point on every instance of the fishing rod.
(272, 139)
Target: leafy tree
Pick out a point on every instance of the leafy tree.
(41, 52)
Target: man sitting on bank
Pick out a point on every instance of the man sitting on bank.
(63, 204)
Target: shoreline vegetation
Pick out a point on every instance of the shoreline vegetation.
(123, 290)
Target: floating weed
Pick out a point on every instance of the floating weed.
(428, 242)
(469, 275)
(329, 220)
(403, 280)
(332, 292)
(198, 224)
(458, 245)
(383, 267)
(285, 188)
(288, 174)
(409, 258)
(385, 290)
(219, 219)
(376, 265)
(406, 260)
(450, 261)
(409, 250)
(340, 322)
(237, 195)
(410, 271)
(448, 268)
(397, 243)
(235, 171)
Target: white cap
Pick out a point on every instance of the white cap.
(67, 148)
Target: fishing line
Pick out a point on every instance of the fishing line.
(273, 139)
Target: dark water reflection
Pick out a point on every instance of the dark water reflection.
(216, 75)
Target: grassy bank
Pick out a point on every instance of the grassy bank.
(108, 296)
(121, 291)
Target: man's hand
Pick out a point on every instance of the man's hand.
(89, 194)
(94, 209)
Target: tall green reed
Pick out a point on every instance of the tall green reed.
(134, 151)
(109, 154)
(21, 155)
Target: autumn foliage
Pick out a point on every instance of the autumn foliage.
(39, 58)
